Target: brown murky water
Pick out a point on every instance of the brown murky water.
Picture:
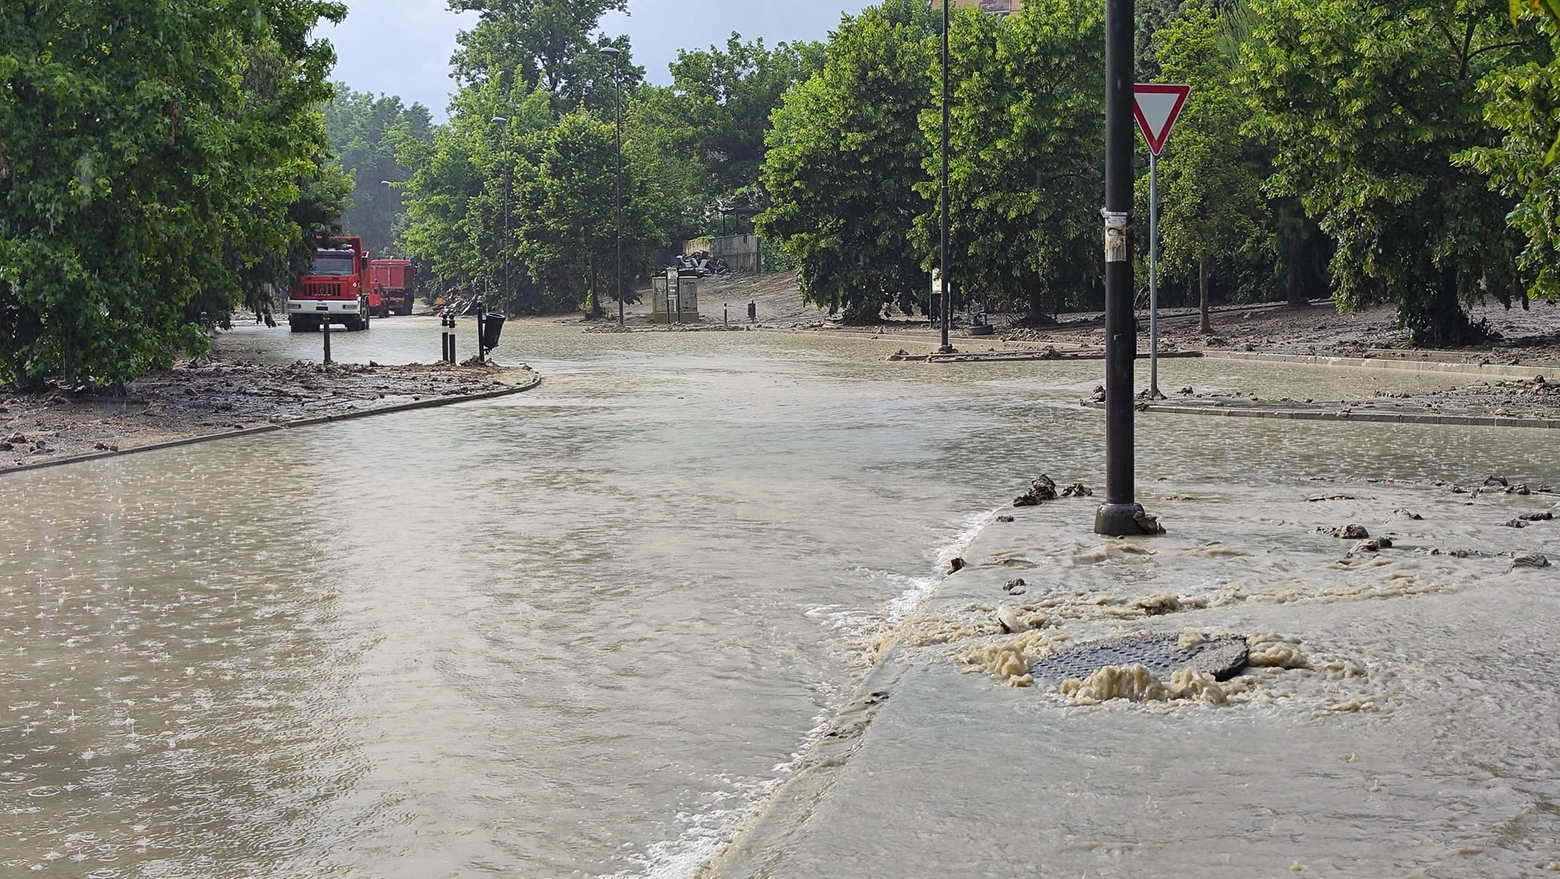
(582, 631)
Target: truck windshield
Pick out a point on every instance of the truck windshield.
(333, 262)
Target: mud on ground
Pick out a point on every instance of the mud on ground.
(197, 399)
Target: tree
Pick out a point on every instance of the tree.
(843, 159)
(1368, 108)
(526, 45)
(566, 234)
(1027, 122)
(366, 133)
(149, 149)
(723, 100)
(1524, 104)
(1210, 188)
(456, 194)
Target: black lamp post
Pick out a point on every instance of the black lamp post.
(1118, 516)
(503, 249)
(942, 258)
(617, 117)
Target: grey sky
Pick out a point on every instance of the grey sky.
(403, 47)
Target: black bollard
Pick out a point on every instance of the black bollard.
(325, 328)
(725, 315)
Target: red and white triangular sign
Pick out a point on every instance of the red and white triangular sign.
(1157, 107)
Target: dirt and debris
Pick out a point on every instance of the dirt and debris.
(1041, 489)
(206, 397)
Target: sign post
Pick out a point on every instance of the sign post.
(1157, 108)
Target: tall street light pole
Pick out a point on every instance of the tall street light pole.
(503, 250)
(942, 258)
(617, 117)
(390, 184)
(1118, 516)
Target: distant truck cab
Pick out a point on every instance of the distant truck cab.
(338, 288)
(396, 285)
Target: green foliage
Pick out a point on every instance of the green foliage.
(528, 45)
(844, 156)
(566, 234)
(1524, 103)
(722, 102)
(1209, 186)
(456, 196)
(1367, 109)
(150, 153)
(1025, 136)
(365, 134)
(516, 195)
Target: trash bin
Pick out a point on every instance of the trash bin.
(492, 328)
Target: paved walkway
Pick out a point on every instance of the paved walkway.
(1394, 730)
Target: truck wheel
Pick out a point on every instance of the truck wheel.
(295, 323)
(367, 316)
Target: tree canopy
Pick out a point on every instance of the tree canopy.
(157, 160)
(843, 160)
(1368, 110)
(163, 165)
(366, 133)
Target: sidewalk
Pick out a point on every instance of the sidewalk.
(1418, 737)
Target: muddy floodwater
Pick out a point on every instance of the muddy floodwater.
(586, 630)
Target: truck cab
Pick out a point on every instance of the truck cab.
(336, 289)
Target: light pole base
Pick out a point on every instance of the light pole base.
(1118, 520)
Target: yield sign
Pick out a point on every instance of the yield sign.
(1157, 107)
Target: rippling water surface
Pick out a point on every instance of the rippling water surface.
(579, 631)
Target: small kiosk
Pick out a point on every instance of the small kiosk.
(676, 299)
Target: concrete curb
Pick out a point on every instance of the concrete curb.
(760, 844)
(1351, 415)
(1464, 368)
(530, 384)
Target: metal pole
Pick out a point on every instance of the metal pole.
(942, 259)
(503, 249)
(325, 328)
(1117, 517)
(618, 113)
(1153, 276)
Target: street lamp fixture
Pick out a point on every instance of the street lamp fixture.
(617, 118)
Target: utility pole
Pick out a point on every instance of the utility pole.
(503, 249)
(617, 116)
(1118, 516)
(942, 259)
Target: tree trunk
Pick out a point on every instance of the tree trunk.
(1202, 295)
(593, 302)
(1435, 319)
(1294, 278)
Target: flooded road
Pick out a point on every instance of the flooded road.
(577, 632)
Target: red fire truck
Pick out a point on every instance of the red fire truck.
(396, 283)
(338, 288)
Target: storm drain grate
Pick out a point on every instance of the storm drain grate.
(1221, 657)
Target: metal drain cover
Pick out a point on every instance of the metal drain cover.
(1221, 657)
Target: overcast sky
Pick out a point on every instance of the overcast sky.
(403, 47)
